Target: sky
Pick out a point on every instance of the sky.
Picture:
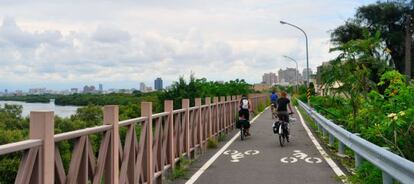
(63, 44)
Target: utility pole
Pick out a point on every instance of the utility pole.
(408, 41)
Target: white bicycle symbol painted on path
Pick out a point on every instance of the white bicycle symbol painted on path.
(236, 155)
(297, 154)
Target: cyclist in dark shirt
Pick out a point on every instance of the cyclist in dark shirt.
(282, 104)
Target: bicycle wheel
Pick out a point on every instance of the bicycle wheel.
(242, 133)
(282, 139)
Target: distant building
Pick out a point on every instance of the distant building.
(305, 74)
(88, 89)
(142, 87)
(18, 93)
(288, 75)
(158, 84)
(148, 89)
(74, 90)
(37, 91)
(6, 91)
(269, 78)
(100, 88)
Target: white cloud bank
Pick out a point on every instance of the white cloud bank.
(121, 43)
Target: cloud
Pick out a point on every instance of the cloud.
(110, 35)
(13, 35)
(129, 42)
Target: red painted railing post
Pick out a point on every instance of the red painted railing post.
(146, 111)
(199, 130)
(229, 113)
(209, 118)
(169, 107)
(112, 164)
(186, 106)
(223, 114)
(42, 127)
(232, 111)
(217, 118)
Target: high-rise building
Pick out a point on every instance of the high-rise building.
(158, 83)
(289, 75)
(6, 91)
(88, 89)
(142, 87)
(100, 88)
(269, 78)
(305, 75)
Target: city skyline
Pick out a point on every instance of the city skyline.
(110, 85)
(139, 41)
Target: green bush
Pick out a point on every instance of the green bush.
(367, 173)
(180, 169)
(222, 137)
(212, 143)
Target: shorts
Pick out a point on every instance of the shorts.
(245, 113)
(283, 116)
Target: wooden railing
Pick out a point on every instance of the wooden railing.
(163, 139)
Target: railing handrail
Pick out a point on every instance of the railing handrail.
(81, 132)
(19, 146)
(194, 124)
(399, 168)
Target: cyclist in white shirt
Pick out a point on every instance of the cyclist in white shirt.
(245, 109)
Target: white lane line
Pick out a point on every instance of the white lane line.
(215, 156)
(327, 158)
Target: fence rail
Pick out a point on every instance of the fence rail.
(150, 145)
(392, 165)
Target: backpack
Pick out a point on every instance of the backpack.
(273, 97)
(245, 104)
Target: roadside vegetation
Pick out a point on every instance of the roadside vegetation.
(364, 88)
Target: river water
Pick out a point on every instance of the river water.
(62, 111)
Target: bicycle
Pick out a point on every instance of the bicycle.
(273, 110)
(242, 132)
(282, 129)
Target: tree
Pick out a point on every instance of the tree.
(200, 88)
(388, 18)
(357, 68)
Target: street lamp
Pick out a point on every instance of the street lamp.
(297, 80)
(307, 52)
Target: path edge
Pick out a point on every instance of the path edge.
(323, 153)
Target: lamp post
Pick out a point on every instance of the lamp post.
(297, 80)
(307, 53)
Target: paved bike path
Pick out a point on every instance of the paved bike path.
(246, 166)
